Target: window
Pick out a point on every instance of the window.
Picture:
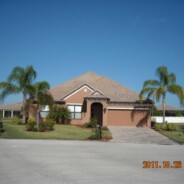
(7, 114)
(16, 113)
(76, 111)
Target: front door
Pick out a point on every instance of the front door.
(97, 112)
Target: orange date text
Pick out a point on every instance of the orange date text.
(162, 165)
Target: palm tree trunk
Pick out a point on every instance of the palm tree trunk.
(38, 117)
(24, 110)
(163, 107)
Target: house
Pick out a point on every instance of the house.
(10, 110)
(92, 95)
(170, 110)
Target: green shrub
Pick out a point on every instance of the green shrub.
(97, 133)
(49, 124)
(91, 124)
(157, 127)
(31, 123)
(86, 125)
(1, 126)
(165, 126)
(16, 120)
(60, 114)
(41, 127)
(105, 128)
(178, 114)
(171, 127)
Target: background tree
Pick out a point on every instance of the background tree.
(159, 88)
(19, 81)
(42, 97)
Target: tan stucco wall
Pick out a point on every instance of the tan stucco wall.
(79, 96)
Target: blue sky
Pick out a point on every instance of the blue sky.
(125, 40)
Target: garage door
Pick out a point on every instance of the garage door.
(127, 118)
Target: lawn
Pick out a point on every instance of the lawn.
(175, 135)
(65, 132)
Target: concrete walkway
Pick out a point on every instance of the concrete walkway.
(138, 135)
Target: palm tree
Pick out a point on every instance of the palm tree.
(42, 97)
(159, 88)
(19, 81)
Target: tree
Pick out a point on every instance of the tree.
(42, 97)
(19, 81)
(60, 114)
(159, 88)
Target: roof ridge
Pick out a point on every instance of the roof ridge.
(75, 78)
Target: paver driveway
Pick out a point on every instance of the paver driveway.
(138, 135)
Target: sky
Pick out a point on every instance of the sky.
(125, 40)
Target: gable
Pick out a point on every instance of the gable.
(109, 88)
(78, 95)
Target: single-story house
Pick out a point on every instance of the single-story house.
(10, 110)
(92, 95)
(170, 110)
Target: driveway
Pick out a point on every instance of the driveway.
(86, 162)
(138, 135)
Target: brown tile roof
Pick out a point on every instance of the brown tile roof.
(167, 108)
(14, 106)
(109, 88)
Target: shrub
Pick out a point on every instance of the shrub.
(171, 127)
(97, 133)
(16, 120)
(105, 128)
(31, 123)
(41, 127)
(165, 126)
(60, 114)
(1, 126)
(91, 124)
(178, 114)
(49, 124)
(157, 127)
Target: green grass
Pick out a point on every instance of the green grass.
(175, 135)
(65, 132)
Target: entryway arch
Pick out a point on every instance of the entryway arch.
(97, 112)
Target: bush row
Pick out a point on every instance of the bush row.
(165, 126)
(46, 125)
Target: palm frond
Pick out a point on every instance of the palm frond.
(7, 89)
(15, 74)
(178, 91)
(172, 78)
(42, 85)
(146, 91)
(44, 98)
(151, 83)
(159, 92)
(30, 74)
(162, 73)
